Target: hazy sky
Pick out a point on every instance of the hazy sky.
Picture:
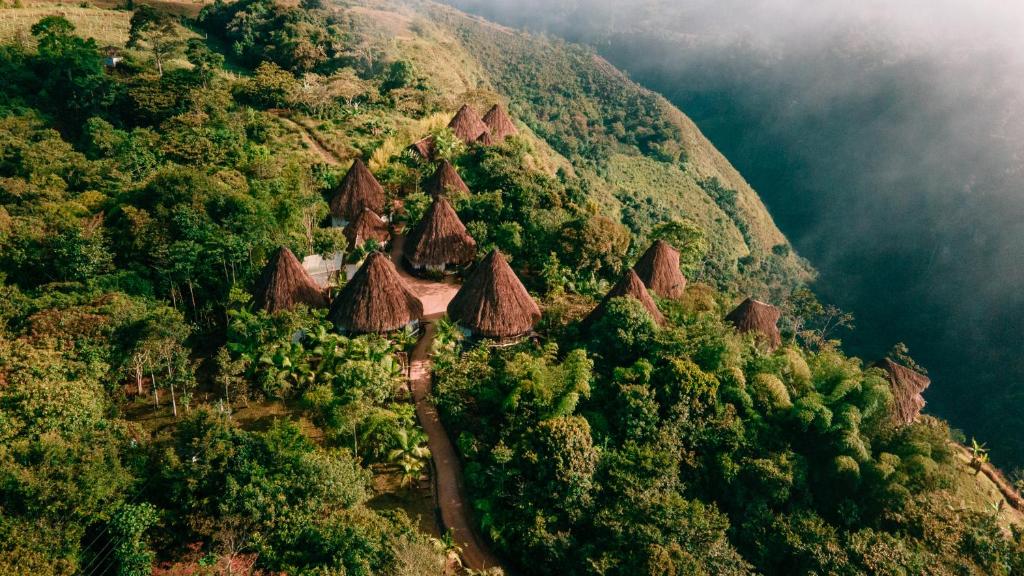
(886, 137)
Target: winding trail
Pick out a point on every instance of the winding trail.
(449, 487)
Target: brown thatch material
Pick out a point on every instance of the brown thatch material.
(467, 125)
(440, 239)
(499, 124)
(375, 300)
(493, 303)
(629, 286)
(424, 148)
(446, 181)
(284, 283)
(907, 386)
(659, 270)
(485, 139)
(358, 190)
(368, 225)
(760, 318)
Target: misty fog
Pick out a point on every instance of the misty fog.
(887, 140)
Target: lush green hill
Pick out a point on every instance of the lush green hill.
(154, 419)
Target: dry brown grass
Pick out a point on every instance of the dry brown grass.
(108, 27)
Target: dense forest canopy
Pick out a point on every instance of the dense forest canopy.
(159, 415)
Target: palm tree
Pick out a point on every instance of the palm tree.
(410, 454)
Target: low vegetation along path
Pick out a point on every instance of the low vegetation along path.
(450, 489)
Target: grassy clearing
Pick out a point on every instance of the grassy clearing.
(109, 27)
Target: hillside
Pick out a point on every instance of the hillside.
(187, 387)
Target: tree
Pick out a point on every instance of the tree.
(686, 237)
(71, 71)
(409, 453)
(204, 61)
(127, 528)
(158, 31)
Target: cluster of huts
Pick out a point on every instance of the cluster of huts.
(492, 302)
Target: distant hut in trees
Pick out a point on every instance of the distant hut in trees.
(446, 180)
(629, 286)
(467, 125)
(358, 190)
(907, 386)
(493, 303)
(440, 240)
(424, 148)
(499, 124)
(659, 270)
(375, 300)
(759, 318)
(367, 226)
(284, 283)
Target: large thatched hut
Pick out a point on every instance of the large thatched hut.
(756, 317)
(284, 283)
(375, 300)
(629, 286)
(499, 124)
(446, 180)
(907, 386)
(358, 190)
(659, 270)
(367, 226)
(493, 303)
(467, 124)
(440, 240)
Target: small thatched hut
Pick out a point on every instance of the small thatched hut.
(485, 139)
(446, 180)
(760, 318)
(358, 190)
(424, 148)
(907, 386)
(375, 300)
(440, 240)
(467, 125)
(629, 286)
(499, 124)
(284, 283)
(367, 226)
(493, 303)
(659, 270)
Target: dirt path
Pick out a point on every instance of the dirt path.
(450, 490)
(311, 142)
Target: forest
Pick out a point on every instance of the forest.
(157, 417)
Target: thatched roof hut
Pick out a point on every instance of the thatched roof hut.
(284, 283)
(446, 180)
(375, 300)
(760, 318)
(659, 270)
(467, 125)
(357, 191)
(493, 303)
(499, 124)
(485, 139)
(424, 148)
(629, 286)
(367, 226)
(440, 239)
(907, 386)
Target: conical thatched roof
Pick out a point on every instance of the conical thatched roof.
(493, 303)
(756, 316)
(446, 180)
(907, 386)
(440, 238)
(368, 225)
(283, 283)
(499, 123)
(658, 268)
(485, 139)
(358, 190)
(424, 148)
(629, 286)
(375, 300)
(467, 125)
